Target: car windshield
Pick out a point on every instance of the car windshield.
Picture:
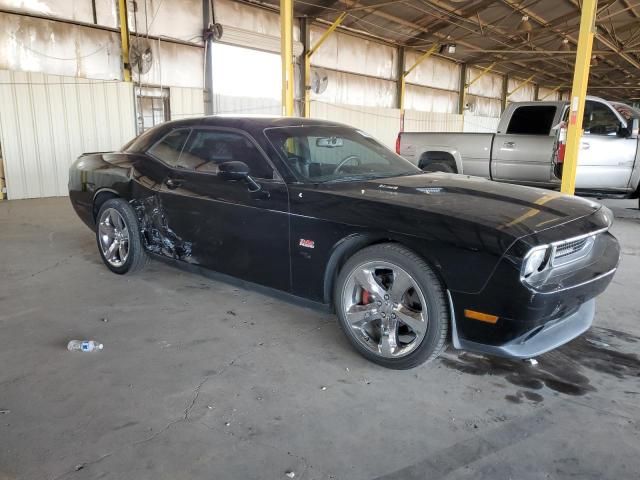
(320, 154)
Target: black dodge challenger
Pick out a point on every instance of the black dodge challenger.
(323, 211)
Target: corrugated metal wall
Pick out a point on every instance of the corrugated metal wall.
(186, 102)
(46, 121)
(382, 123)
(418, 121)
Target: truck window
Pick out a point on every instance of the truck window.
(599, 119)
(532, 120)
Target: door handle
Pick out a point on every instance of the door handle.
(509, 145)
(585, 146)
(173, 183)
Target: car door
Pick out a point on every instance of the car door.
(523, 153)
(231, 226)
(606, 159)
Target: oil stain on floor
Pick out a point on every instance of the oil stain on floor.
(565, 370)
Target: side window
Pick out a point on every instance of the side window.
(206, 149)
(169, 148)
(532, 120)
(599, 119)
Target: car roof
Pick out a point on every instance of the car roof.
(250, 122)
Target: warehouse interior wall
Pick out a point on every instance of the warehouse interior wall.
(47, 121)
(51, 50)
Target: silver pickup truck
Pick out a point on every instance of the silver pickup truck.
(524, 150)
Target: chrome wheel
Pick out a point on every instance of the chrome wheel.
(113, 236)
(385, 309)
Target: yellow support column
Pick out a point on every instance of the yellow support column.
(286, 52)
(578, 93)
(124, 40)
(307, 62)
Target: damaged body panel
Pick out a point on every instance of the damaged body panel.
(285, 202)
(156, 234)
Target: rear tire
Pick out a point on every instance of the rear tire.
(118, 237)
(438, 167)
(392, 306)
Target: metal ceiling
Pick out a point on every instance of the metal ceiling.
(523, 37)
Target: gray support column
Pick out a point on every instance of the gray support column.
(463, 88)
(505, 92)
(207, 34)
(536, 92)
(399, 75)
(305, 36)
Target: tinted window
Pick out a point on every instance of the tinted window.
(169, 148)
(532, 120)
(207, 149)
(599, 119)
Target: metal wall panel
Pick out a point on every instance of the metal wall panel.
(47, 121)
(78, 10)
(487, 85)
(524, 94)
(552, 96)
(483, 106)
(480, 124)
(418, 121)
(186, 102)
(351, 89)
(347, 53)
(382, 123)
(430, 100)
(179, 19)
(48, 46)
(250, 19)
(237, 105)
(433, 72)
(174, 65)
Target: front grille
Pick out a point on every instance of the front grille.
(570, 247)
(573, 249)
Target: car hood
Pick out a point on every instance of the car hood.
(512, 209)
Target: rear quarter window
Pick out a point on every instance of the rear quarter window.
(532, 120)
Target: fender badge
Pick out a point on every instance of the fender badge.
(307, 243)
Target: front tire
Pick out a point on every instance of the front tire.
(118, 237)
(392, 306)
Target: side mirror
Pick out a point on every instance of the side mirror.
(233, 170)
(236, 170)
(623, 131)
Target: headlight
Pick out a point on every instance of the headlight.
(535, 261)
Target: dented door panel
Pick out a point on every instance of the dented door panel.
(222, 225)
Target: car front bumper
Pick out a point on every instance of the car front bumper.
(537, 341)
(531, 321)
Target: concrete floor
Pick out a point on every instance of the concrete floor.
(201, 379)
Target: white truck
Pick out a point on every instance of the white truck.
(526, 148)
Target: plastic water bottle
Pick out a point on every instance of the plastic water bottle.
(84, 346)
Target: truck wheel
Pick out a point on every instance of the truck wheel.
(392, 306)
(438, 167)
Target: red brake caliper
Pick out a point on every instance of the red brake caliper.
(366, 297)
